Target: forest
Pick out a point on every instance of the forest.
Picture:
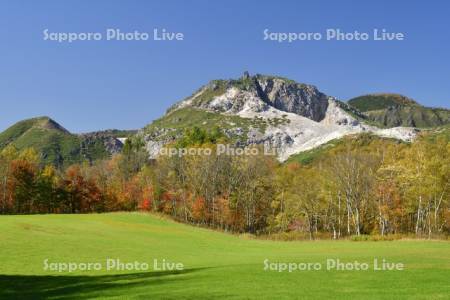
(363, 185)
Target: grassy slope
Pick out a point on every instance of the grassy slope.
(421, 117)
(188, 117)
(55, 144)
(218, 266)
(306, 157)
(380, 101)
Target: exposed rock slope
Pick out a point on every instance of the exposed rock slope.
(275, 111)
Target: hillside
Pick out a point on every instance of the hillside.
(360, 141)
(391, 110)
(55, 144)
(215, 265)
(267, 110)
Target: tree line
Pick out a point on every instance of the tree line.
(364, 185)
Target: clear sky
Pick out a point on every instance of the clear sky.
(93, 85)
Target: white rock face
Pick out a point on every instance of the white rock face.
(337, 116)
(303, 128)
(225, 101)
(301, 133)
(122, 140)
(154, 148)
(401, 133)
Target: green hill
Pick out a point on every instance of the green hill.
(380, 101)
(392, 110)
(215, 265)
(53, 142)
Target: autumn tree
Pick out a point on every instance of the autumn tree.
(353, 173)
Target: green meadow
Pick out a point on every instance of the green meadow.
(216, 265)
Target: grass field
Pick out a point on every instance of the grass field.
(216, 265)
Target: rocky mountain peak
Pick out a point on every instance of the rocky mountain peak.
(260, 92)
(260, 109)
(289, 96)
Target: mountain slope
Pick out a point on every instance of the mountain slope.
(55, 144)
(277, 112)
(390, 110)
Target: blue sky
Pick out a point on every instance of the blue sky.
(97, 85)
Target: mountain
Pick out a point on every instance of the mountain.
(270, 110)
(58, 146)
(391, 110)
(267, 110)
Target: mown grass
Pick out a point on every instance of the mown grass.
(217, 265)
